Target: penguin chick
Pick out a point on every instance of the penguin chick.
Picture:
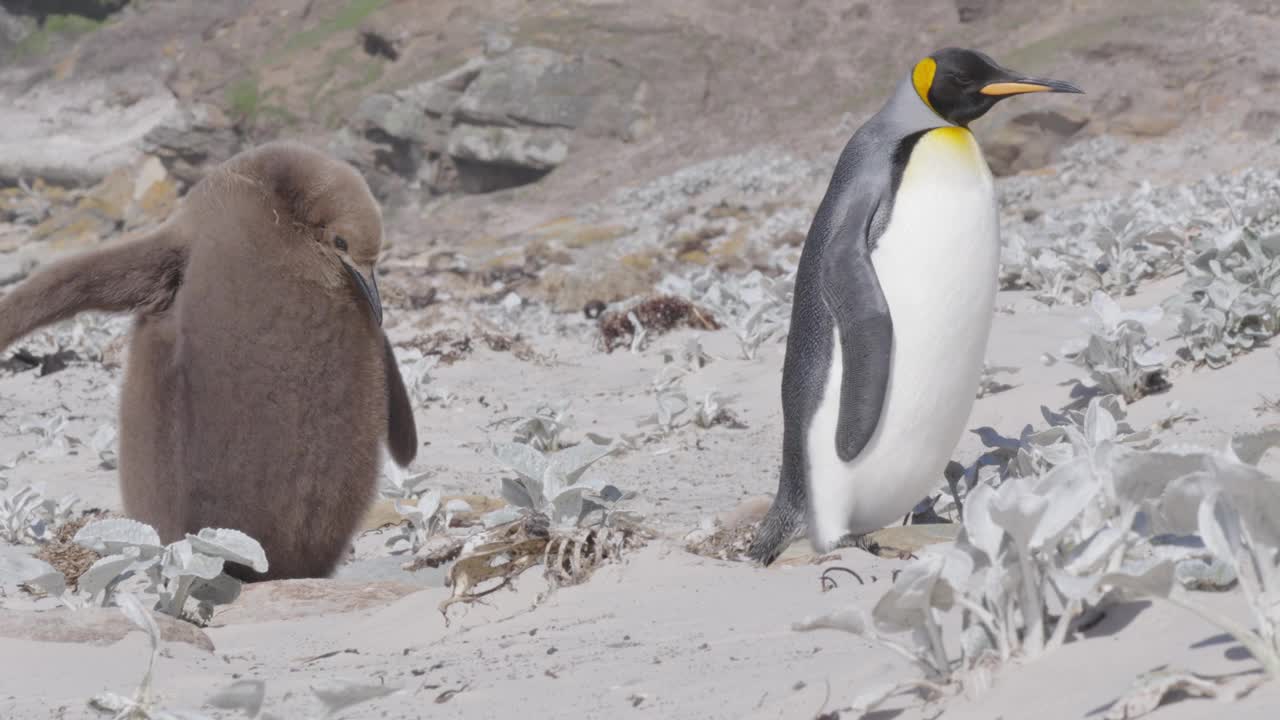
(259, 383)
(892, 307)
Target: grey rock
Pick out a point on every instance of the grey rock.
(491, 123)
(191, 141)
(1262, 122)
(536, 148)
(287, 599)
(12, 30)
(92, 626)
(975, 10)
(1205, 575)
(382, 164)
(391, 115)
(14, 267)
(77, 133)
(1030, 141)
(399, 140)
(527, 86)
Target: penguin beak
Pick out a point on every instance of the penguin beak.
(368, 290)
(1015, 85)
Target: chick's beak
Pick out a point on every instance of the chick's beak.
(1015, 85)
(368, 287)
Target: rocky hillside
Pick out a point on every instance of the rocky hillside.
(538, 143)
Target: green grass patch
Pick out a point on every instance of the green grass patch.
(347, 18)
(244, 97)
(55, 26)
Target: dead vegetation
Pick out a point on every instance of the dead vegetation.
(655, 316)
(67, 556)
(725, 542)
(492, 560)
(450, 346)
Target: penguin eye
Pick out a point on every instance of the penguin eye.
(340, 244)
(962, 79)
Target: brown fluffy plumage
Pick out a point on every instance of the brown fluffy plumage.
(259, 383)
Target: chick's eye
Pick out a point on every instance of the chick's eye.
(340, 244)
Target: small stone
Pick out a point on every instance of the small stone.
(975, 10)
(379, 43)
(496, 44)
(1029, 141)
(93, 626)
(904, 539)
(288, 599)
(191, 141)
(1261, 122)
(1146, 123)
(534, 148)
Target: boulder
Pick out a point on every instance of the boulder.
(975, 10)
(92, 626)
(76, 134)
(1147, 122)
(1030, 140)
(12, 31)
(488, 156)
(130, 197)
(192, 140)
(288, 599)
(528, 86)
(497, 121)
(1261, 122)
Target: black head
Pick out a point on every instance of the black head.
(962, 85)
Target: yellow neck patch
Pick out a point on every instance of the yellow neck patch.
(922, 78)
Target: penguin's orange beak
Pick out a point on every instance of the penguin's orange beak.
(368, 288)
(1018, 86)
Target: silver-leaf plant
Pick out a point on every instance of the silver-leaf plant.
(424, 519)
(191, 568)
(29, 517)
(1119, 355)
(1038, 547)
(1230, 301)
(552, 486)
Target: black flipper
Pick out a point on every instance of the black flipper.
(852, 294)
(402, 432)
(141, 275)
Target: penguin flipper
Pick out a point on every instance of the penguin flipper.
(858, 306)
(141, 275)
(402, 432)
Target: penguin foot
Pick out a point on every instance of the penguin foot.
(780, 526)
(862, 542)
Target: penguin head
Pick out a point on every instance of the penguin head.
(330, 203)
(961, 85)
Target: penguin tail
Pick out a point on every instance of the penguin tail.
(780, 526)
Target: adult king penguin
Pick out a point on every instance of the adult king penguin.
(893, 304)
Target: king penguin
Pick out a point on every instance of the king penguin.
(892, 307)
(260, 385)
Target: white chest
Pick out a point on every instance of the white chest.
(937, 264)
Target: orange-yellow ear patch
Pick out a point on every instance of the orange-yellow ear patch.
(922, 78)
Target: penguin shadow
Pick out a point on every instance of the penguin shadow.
(1235, 653)
(1108, 621)
(1176, 694)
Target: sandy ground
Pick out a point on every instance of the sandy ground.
(666, 633)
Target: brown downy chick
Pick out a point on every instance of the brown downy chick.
(259, 383)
